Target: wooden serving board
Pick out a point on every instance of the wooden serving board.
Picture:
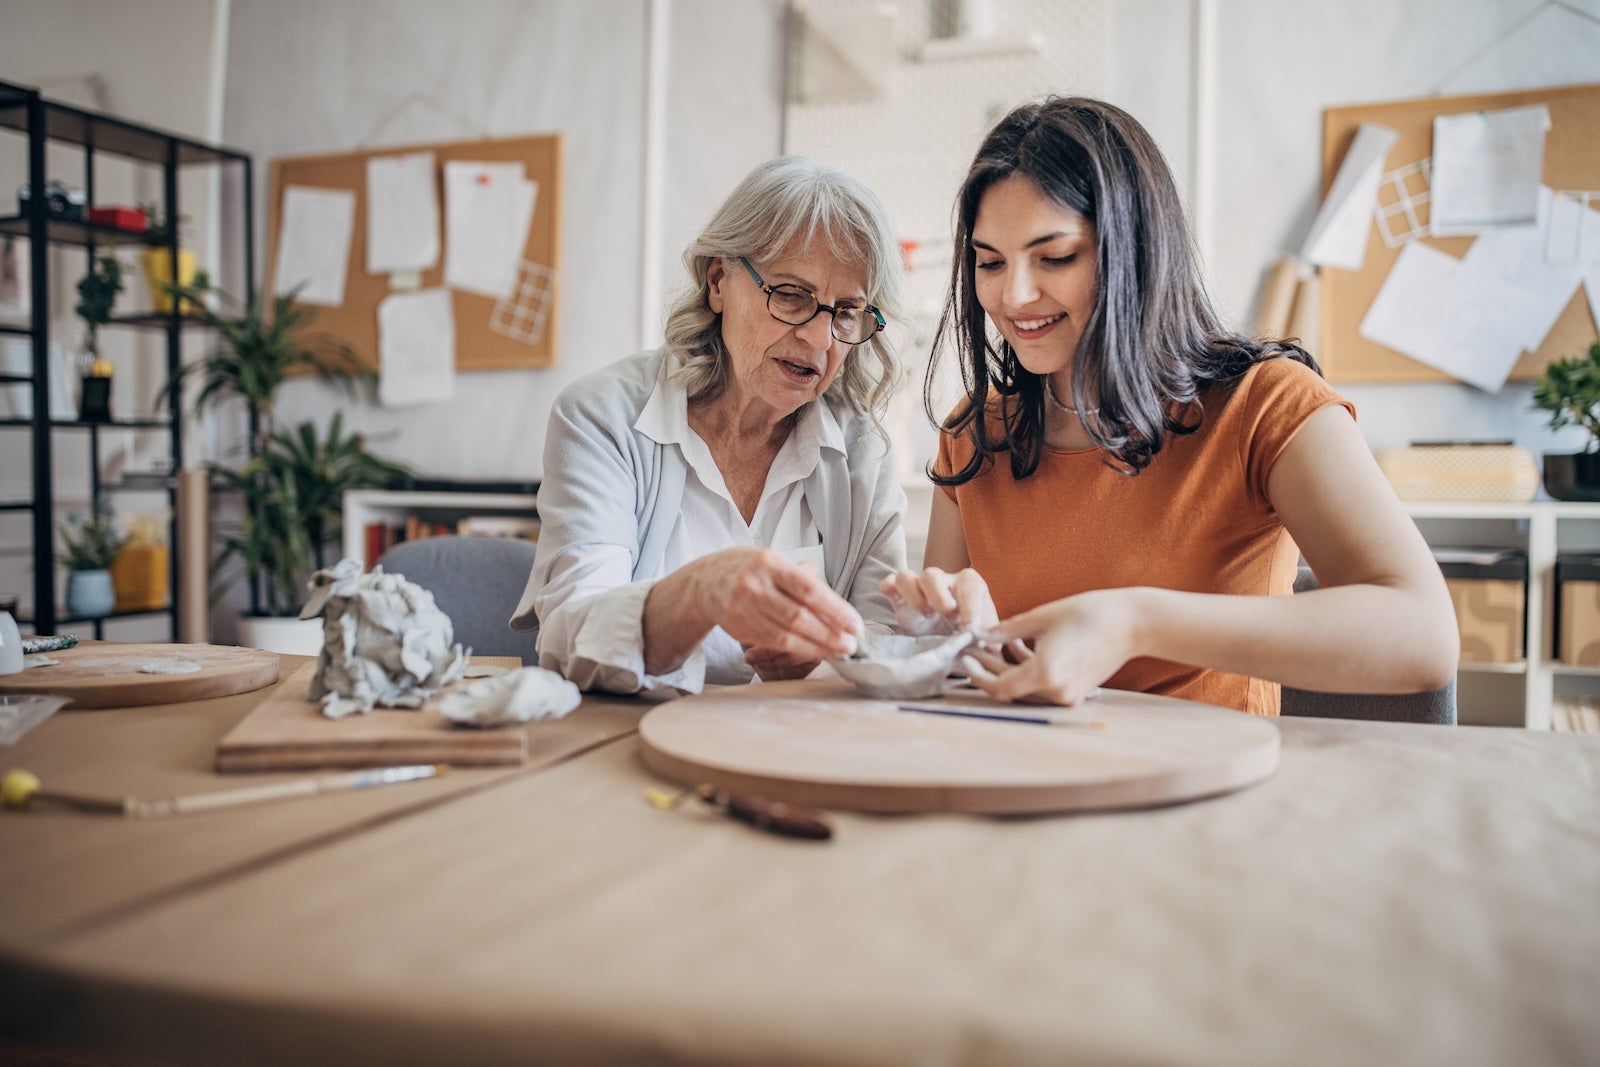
(106, 675)
(286, 731)
(819, 742)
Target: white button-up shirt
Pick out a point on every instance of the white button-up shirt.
(707, 522)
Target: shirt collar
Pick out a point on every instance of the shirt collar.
(665, 420)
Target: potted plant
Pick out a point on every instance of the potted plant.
(97, 295)
(260, 345)
(293, 489)
(291, 482)
(87, 551)
(160, 232)
(1569, 390)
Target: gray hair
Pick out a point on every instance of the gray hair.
(785, 203)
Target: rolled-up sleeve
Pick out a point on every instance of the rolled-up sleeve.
(591, 628)
(583, 590)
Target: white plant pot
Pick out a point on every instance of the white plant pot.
(288, 635)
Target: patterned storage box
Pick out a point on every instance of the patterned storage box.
(1491, 602)
(1481, 473)
(1577, 609)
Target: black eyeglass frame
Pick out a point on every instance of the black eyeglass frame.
(831, 309)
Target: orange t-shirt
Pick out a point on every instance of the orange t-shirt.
(1196, 519)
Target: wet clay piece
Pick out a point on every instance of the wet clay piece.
(898, 667)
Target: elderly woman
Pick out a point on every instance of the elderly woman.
(727, 505)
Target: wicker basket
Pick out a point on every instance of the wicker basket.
(1479, 474)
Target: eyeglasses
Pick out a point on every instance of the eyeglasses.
(796, 306)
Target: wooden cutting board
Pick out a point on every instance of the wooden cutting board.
(286, 731)
(108, 676)
(819, 742)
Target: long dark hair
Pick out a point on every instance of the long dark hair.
(1153, 341)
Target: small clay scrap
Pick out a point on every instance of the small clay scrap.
(902, 667)
(523, 695)
(384, 641)
(169, 665)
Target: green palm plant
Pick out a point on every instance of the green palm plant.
(293, 490)
(261, 345)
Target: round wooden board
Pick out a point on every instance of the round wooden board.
(819, 742)
(108, 675)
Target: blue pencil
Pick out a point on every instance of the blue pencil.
(999, 716)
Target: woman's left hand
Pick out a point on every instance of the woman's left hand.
(1078, 642)
(775, 665)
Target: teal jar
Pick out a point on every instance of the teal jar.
(90, 593)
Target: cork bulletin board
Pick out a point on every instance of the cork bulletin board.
(1571, 161)
(490, 334)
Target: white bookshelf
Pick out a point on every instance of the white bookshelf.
(364, 506)
(1522, 693)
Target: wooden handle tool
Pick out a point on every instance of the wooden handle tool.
(773, 816)
(20, 789)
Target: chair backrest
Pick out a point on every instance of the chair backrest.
(477, 581)
(1435, 706)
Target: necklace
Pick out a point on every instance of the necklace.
(1050, 391)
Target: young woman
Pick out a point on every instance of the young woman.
(1127, 484)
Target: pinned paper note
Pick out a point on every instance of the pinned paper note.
(1572, 234)
(417, 348)
(1487, 167)
(402, 213)
(314, 244)
(1513, 259)
(488, 208)
(1338, 236)
(1452, 317)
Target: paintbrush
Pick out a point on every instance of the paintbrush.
(20, 789)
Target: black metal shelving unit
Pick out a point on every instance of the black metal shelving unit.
(43, 121)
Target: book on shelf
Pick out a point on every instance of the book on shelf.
(380, 536)
(499, 526)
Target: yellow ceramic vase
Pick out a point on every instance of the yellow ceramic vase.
(158, 270)
(139, 576)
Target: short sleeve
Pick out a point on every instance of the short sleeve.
(1278, 396)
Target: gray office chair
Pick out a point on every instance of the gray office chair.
(1436, 706)
(477, 581)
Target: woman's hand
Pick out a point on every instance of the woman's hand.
(772, 665)
(1077, 643)
(936, 601)
(765, 600)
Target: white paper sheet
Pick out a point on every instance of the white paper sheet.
(1591, 287)
(402, 213)
(416, 348)
(1513, 259)
(1573, 231)
(314, 243)
(1486, 169)
(488, 208)
(1338, 236)
(1437, 311)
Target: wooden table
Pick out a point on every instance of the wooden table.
(1394, 894)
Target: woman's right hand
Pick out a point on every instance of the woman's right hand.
(936, 601)
(765, 600)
